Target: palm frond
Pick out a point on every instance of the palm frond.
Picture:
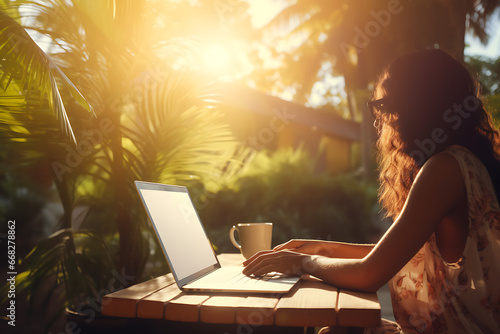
(33, 74)
(63, 258)
(172, 134)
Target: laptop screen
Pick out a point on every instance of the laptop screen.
(179, 230)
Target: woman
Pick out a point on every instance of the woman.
(440, 181)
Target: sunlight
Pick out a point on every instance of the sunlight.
(216, 57)
(227, 59)
(263, 11)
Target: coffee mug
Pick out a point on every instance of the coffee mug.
(253, 237)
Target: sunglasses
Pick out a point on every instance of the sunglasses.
(378, 107)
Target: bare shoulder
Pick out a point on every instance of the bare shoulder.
(443, 165)
(440, 175)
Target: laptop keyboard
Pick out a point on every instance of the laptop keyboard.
(240, 278)
(232, 279)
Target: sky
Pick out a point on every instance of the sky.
(492, 49)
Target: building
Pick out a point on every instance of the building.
(264, 121)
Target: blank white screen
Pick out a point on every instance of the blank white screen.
(180, 231)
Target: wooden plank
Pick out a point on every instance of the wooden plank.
(123, 303)
(358, 309)
(151, 307)
(220, 309)
(257, 310)
(185, 307)
(309, 304)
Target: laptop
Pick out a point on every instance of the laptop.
(188, 250)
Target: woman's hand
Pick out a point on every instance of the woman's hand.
(282, 261)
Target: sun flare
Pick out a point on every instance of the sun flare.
(216, 57)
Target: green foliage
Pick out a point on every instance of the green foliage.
(28, 76)
(283, 188)
(78, 261)
(23, 201)
(488, 75)
(152, 122)
(494, 108)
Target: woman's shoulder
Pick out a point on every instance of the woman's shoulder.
(447, 161)
(443, 168)
(441, 174)
(475, 177)
(459, 158)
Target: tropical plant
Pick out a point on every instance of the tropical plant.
(35, 127)
(488, 74)
(153, 121)
(35, 122)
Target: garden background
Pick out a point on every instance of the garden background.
(258, 107)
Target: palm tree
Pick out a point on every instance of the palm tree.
(34, 118)
(470, 16)
(360, 38)
(111, 51)
(152, 121)
(35, 128)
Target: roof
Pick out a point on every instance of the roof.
(257, 102)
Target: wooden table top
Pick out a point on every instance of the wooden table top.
(311, 303)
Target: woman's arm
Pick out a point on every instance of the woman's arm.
(438, 188)
(326, 248)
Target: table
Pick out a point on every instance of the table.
(311, 303)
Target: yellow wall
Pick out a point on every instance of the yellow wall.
(335, 152)
(258, 132)
(338, 155)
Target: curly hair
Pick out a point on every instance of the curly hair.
(430, 101)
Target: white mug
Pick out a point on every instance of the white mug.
(253, 237)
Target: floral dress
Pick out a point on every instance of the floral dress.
(430, 295)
